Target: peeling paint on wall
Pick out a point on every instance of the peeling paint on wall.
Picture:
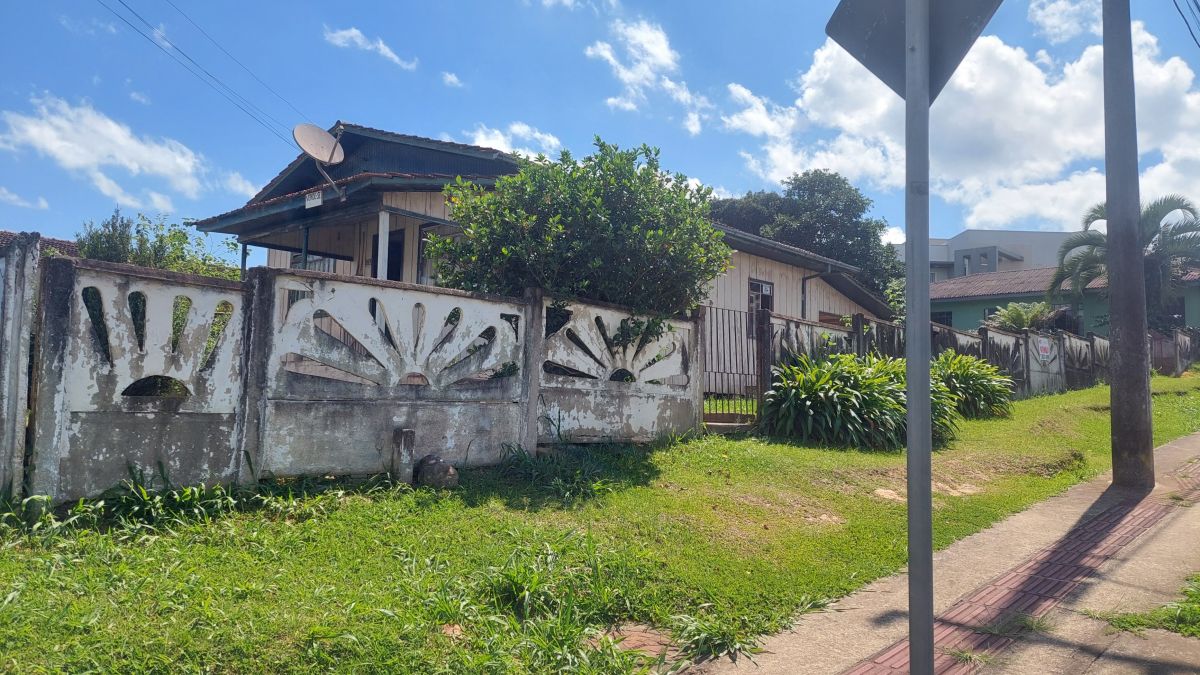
(187, 380)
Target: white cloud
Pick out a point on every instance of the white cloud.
(451, 80)
(645, 65)
(354, 38)
(517, 138)
(139, 97)
(85, 141)
(91, 27)
(1014, 137)
(160, 202)
(13, 199)
(892, 235)
(1062, 20)
(237, 184)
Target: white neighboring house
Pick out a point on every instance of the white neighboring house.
(977, 251)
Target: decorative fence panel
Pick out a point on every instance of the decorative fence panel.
(1045, 365)
(353, 364)
(945, 338)
(1007, 351)
(18, 277)
(605, 377)
(1079, 365)
(793, 337)
(138, 370)
(1101, 356)
(179, 379)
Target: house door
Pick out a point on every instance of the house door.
(395, 265)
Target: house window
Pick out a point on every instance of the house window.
(944, 318)
(831, 319)
(316, 263)
(762, 296)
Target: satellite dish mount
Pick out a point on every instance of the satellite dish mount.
(323, 147)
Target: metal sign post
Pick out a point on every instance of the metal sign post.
(917, 337)
(914, 46)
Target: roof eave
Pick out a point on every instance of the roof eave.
(768, 248)
(252, 212)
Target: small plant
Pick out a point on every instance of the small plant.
(709, 637)
(848, 401)
(1019, 316)
(1012, 626)
(968, 657)
(982, 390)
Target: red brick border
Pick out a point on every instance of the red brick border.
(1038, 584)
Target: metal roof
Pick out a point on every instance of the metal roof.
(375, 150)
(986, 284)
(778, 251)
(833, 272)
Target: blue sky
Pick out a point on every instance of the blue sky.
(737, 95)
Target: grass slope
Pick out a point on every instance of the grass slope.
(713, 540)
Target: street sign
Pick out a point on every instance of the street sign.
(873, 32)
(313, 199)
(914, 47)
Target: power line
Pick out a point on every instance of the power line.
(1192, 7)
(185, 66)
(235, 60)
(162, 36)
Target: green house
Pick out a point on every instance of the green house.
(964, 302)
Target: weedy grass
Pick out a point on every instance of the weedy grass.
(1182, 616)
(714, 541)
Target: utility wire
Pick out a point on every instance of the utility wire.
(1192, 8)
(235, 60)
(162, 36)
(185, 66)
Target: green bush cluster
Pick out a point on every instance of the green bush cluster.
(851, 401)
(982, 390)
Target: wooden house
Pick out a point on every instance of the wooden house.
(391, 199)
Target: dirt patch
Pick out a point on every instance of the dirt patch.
(452, 630)
(824, 519)
(639, 637)
(890, 495)
(956, 490)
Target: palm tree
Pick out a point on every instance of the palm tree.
(1170, 234)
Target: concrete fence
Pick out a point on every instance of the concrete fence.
(187, 379)
(1037, 362)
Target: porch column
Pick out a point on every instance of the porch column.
(381, 248)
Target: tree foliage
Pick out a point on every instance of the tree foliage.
(1169, 229)
(612, 227)
(156, 244)
(819, 211)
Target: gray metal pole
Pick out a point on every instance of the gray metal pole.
(917, 337)
(1132, 438)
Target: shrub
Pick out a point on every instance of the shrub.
(982, 390)
(1019, 316)
(850, 401)
(613, 227)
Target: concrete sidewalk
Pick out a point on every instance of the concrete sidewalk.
(1139, 552)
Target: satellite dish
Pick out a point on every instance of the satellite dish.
(318, 144)
(323, 147)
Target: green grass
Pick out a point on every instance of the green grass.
(743, 405)
(1181, 617)
(715, 541)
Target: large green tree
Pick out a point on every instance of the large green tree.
(157, 244)
(1169, 229)
(613, 227)
(819, 211)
